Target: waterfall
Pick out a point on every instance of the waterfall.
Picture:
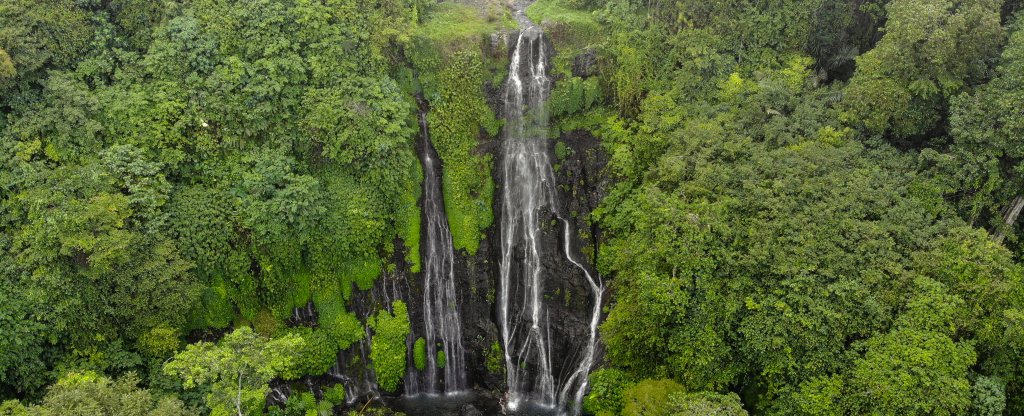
(442, 324)
(529, 191)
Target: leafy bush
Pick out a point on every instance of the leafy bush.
(706, 404)
(317, 354)
(335, 394)
(649, 398)
(419, 354)
(387, 349)
(606, 389)
(494, 359)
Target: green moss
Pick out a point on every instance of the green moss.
(420, 354)
(343, 326)
(317, 355)
(335, 394)
(494, 360)
(242, 290)
(441, 359)
(264, 323)
(300, 289)
(217, 311)
(361, 272)
(459, 117)
(409, 227)
(388, 345)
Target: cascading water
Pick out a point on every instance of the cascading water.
(529, 191)
(442, 324)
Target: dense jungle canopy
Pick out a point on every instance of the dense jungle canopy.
(795, 207)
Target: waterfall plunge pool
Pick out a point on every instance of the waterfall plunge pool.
(461, 404)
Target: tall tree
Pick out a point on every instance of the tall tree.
(238, 368)
(932, 50)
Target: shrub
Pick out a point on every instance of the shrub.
(420, 354)
(606, 388)
(388, 345)
(650, 398)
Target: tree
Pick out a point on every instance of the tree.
(649, 397)
(911, 372)
(388, 345)
(91, 394)
(932, 50)
(36, 36)
(982, 163)
(238, 368)
(706, 404)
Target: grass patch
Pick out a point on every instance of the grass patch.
(559, 12)
(449, 21)
(570, 29)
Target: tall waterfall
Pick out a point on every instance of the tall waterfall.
(442, 325)
(529, 193)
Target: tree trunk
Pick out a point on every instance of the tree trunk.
(238, 399)
(1009, 218)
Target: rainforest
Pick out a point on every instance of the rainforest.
(511, 207)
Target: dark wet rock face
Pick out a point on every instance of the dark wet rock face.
(304, 316)
(584, 65)
(582, 183)
(470, 410)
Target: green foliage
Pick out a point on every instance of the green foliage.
(335, 394)
(317, 354)
(458, 119)
(911, 372)
(980, 163)
(170, 167)
(574, 95)
(450, 22)
(387, 349)
(91, 394)
(931, 51)
(419, 353)
(606, 388)
(303, 404)
(336, 119)
(706, 403)
(161, 341)
(216, 310)
(649, 397)
(237, 369)
(988, 396)
(175, 167)
(341, 325)
(756, 244)
(494, 359)
(441, 359)
(40, 35)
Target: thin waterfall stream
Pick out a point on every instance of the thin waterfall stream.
(529, 193)
(442, 322)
